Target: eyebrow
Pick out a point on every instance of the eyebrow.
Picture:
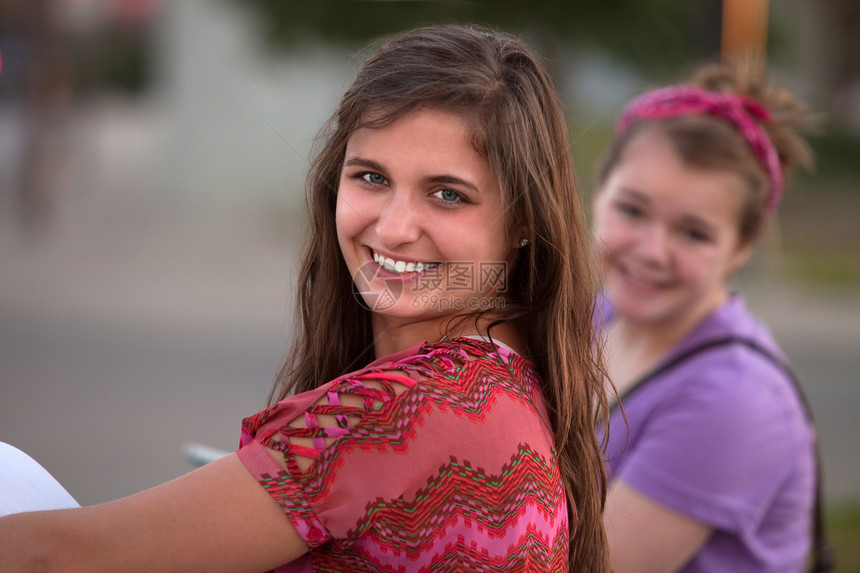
(441, 179)
(706, 225)
(451, 180)
(698, 222)
(634, 194)
(359, 162)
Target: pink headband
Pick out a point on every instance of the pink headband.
(741, 111)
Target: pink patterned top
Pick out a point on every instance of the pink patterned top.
(448, 466)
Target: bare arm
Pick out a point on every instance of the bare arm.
(646, 537)
(216, 518)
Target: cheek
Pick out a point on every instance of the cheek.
(497, 247)
(348, 216)
(341, 222)
(498, 243)
(611, 234)
(703, 268)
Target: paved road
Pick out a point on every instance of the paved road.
(820, 333)
(118, 346)
(139, 322)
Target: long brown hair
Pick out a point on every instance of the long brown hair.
(497, 84)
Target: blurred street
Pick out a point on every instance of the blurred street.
(135, 323)
(146, 296)
(138, 322)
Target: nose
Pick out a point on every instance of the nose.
(652, 245)
(398, 221)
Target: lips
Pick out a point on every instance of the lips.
(643, 280)
(401, 266)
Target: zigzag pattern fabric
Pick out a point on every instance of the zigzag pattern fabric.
(439, 458)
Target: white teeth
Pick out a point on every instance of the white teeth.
(646, 280)
(391, 265)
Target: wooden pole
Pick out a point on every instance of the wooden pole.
(744, 29)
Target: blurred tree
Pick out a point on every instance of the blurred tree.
(41, 83)
(840, 54)
(658, 36)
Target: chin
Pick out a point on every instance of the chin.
(637, 308)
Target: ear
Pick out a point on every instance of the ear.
(740, 257)
(520, 238)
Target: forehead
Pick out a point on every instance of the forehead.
(652, 171)
(381, 117)
(424, 138)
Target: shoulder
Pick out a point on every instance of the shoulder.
(450, 370)
(731, 355)
(730, 381)
(733, 320)
(729, 377)
(461, 352)
(468, 367)
(731, 397)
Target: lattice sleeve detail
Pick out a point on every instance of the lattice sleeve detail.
(348, 400)
(431, 460)
(335, 414)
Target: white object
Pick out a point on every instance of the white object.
(201, 454)
(27, 486)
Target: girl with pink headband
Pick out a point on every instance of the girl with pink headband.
(711, 457)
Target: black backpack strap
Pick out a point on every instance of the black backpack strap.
(823, 558)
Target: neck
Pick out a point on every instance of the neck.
(658, 338)
(390, 336)
(647, 342)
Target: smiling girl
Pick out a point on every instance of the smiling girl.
(405, 435)
(717, 470)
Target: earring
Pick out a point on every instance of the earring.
(524, 242)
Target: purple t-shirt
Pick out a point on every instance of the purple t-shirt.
(722, 438)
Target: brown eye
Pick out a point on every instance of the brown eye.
(629, 210)
(696, 235)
